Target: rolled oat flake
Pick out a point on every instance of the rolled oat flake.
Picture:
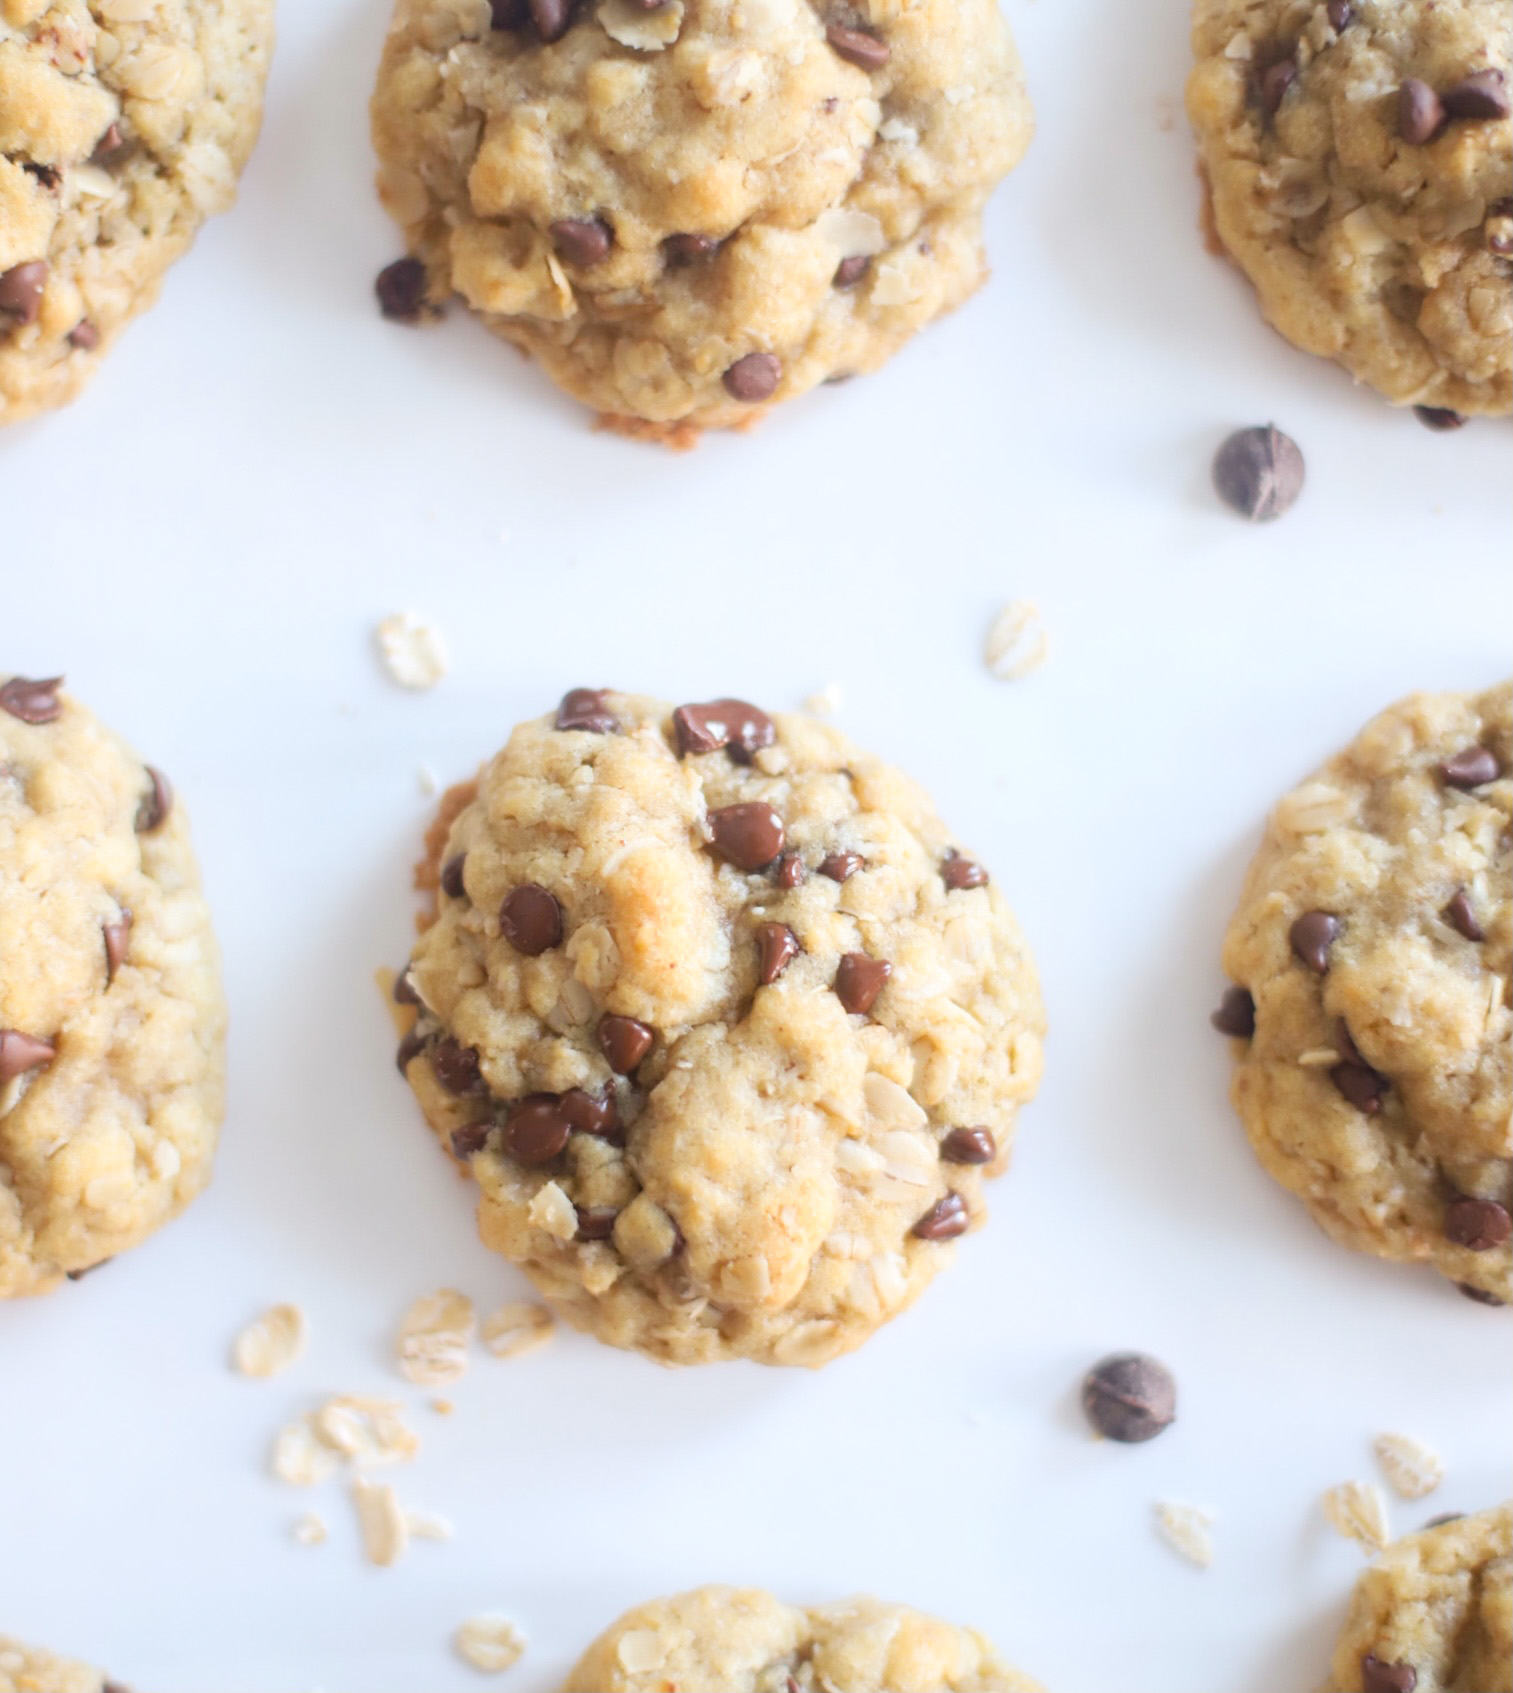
(1129, 1397)
(1258, 472)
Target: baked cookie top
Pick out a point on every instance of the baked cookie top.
(26, 1669)
(688, 211)
(112, 1025)
(725, 1027)
(123, 126)
(1372, 943)
(1360, 160)
(1434, 1614)
(741, 1640)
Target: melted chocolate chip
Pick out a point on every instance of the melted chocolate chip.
(790, 870)
(777, 946)
(1420, 115)
(624, 1041)
(404, 988)
(452, 884)
(21, 1052)
(1339, 13)
(754, 377)
(748, 836)
(401, 290)
(33, 702)
(742, 729)
(551, 18)
(1380, 1677)
(969, 1146)
(21, 289)
(1129, 1397)
(1480, 1225)
(117, 939)
(857, 47)
(958, 872)
(410, 1048)
(688, 249)
(945, 1219)
(157, 802)
(456, 1066)
(470, 1140)
(859, 980)
(841, 866)
(1236, 1014)
(596, 1222)
(582, 241)
(84, 336)
(1312, 935)
(850, 271)
(1364, 1087)
(1481, 96)
(1439, 418)
(1259, 472)
(1471, 767)
(1460, 914)
(537, 1129)
(1276, 79)
(530, 919)
(591, 1113)
(585, 708)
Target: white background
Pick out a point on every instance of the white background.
(265, 468)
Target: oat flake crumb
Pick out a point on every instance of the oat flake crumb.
(434, 1337)
(365, 1431)
(413, 653)
(1188, 1530)
(1357, 1510)
(310, 1530)
(490, 1642)
(517, 1328)
(1017, 642)
(271, 1342)
(826, 701)
(428, 1525)
(300, 1457)
(385, 1529)
(1414, 1470)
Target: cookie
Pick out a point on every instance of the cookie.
(25, 1669)
(690, 212)
(1372, 953)
(112, 1025)
(741, 1640)
(1434, 1614)
(1360, 162)
(123, 126)
(725, 1026)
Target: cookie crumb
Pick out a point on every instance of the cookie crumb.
(434, 1337)
(1017, 642)
(270, 1343)
(385, 1528)
(1414, 1470)
(824, 702)
(310, 1529)
(517, 1328)
(490, 1642)
(1188, 1530)
(413, 652)
(1357, 1510)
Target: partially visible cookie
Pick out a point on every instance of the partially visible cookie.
(27, 1669)
(1434, 1614)
(1360, 161)
(1372, 952)
(112, 1024)
(123, 126)
(741, 1640)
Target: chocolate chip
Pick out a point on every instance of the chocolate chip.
(969, 1146)
(748, 836)
(84, 336)
(21, 291)
(688, 249)
(778, 946)
(470, 1139)
(1312, 935)
(117, 939)
(410, 1048)
(1460, 914)
(624, 1041)
(958, 872)
(157, 802)
(111, 148)
(33, 702)
(1479, 1294)
(754, 377)
(1339, 13)
(945, 1219)
(742, 729)
(404, 988)
(401, 290)
(850, 271)
(1360, 1084)
(20, 1053)
(1471, 767)
(1480, 1225)
(840, 866)
(596, 1222)
(591, 1113)
(530, 919)
(1439, 418)
(584, 708)
(582, 241)
(1258, 472)
(456, 1066)
(1420, 115)
(790, 870)
(537, 1129)
(859, 980)
(1129, 1397)
(451, 876)
(551, 18)
(1236, 1014)
(1275, 81)
(1483, 95)
(508, 14)
(49, 176)
(1379, 1677)
(857, 47)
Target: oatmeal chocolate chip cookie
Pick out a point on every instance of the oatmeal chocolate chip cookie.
(25, 1669)
(742, 1640)
(689, 211)
(1360, 162)
(725, 1027)
(1434, 1614)
(123, 126)
(112, 1026)
(1372, 948)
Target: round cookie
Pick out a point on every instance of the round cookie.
(1359, 159)
(1372, 949)
(724, 1026)
(112, 1026)
(25, 1669)
(741, 1640)
(1434, 1614)
(687, 212)
(123, 126)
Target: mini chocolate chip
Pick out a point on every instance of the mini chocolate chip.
(410, 1048)
(1312, 935)
(1479, 1294)
(850, 271)
(582, 241)
(1483, 95)
(778, 946)
(790, 870)
(591, 1113)
(1360, 1084)
(1439, 418)
(401, 290)
(1480, 1225)
(404, 988)
(456, 1066)
(859, 980)
(687, 249)
(1339, 13)
(1420, 115)
(1275, 81)
(749, 836)
(20, 1053)
(841, 866)
(969, 1146)
(958, 872)
(742, 729)
(84, 336)
(111, 148)
(596, 1222)
(1236, 1014)
(945, 1219)
(1445, 1517)
(536, 1130)
(117, 939)
(1460, 914)
(157, 802)
(1259, 472)
(753, 377)
(1379, 1677)
(584, 708)
(624, 1041)
(21, 291)
(33, 702)
(451, 876)
(1471, 767)
(1129, 1397)
(530, 919)
(858, 47)
(551, 18)
(470, 1139)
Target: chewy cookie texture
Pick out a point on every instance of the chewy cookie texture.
(1372, 952)
(724, 1025)
(690, 211)
(1360, 161)
(123, 126)
(26, 1669)
(112, 1025)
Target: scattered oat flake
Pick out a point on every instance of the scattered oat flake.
(826, 701)
(300, 1457)
(490, 1642)
(385, 1531)
(1357, 1510)
(517, 1328)
(434, 1337)
(310, 1530)
(365, 1431)
(428, 1525)
(1414, 1470)
(428, 780)
(271, 1342)
(1188, 1531)
(1017, 642)
(413, 653)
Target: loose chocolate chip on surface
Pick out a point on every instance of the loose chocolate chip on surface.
(1275, 81)
(582, 241)
(585, 708)
(857, 47)
(451, 876)
(969, 1146)
(470, 1140)
(1236, 1014)
(551, 18)
(754, 377)
(1484, 95)
(21, 1052)
(1379, 1677)
(840, 866)
(157, 802)
(404, 988)
(777, 947)
(945, 1219)
(21, 291)
(1259, 472)
(33, 702)
(596, 1222)
(401, 290)
(687, 249)
(1471, 767)
(117, 939)
(1364, 1087)
(1339, 13)
(410, 1048)
(748, 836)
(1312, 935)
(624, 1041)
(1129, 1397)
(790, 870)
(1439, 418)
(530, 919)
(850, 271)
(1420, 113)
(537, 1129)
(84, 336)
(1480, 1225)
(742, 729)
(1460, 914)
(1479, 1294)
(958, 872)
(456, 1066)
(859, 980)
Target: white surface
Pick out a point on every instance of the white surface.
(265, 469)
